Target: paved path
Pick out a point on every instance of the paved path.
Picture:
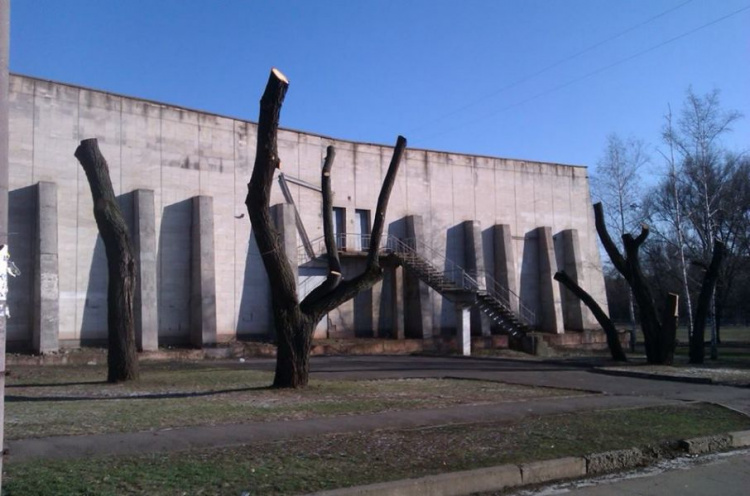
(727, 474)
(618, 392)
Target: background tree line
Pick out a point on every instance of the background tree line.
(691, 191)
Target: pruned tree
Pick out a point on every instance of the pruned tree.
(613, 338)
(659, 345)
(295, 321)
(122, 358)
(617, 185)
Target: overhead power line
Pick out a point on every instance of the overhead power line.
(596, 71)
(551, 66)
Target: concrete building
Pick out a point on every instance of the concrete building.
(181, 175)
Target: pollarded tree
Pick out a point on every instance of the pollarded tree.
(294, 320)
(617, 185)
(658, 331)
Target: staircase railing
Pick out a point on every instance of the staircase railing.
(416, 251)
(510, 299)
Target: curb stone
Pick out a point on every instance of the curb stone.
(611, 461)
(706, 444)
(657, 377)
(511, 475)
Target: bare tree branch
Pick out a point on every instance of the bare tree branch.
(349, 288)
(614, 254)
(332, 253)
(613, 339)
(385, 195)
(259, 191)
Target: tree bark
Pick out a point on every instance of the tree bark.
(613, 338)
(697, 339)
(630, 268)
(668, 336)
(122, 358)
(295, 321)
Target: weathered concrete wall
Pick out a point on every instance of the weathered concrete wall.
(180, 154)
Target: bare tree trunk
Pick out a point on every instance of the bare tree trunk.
(668, 336)
(295, 321)
(697, 340)
(631, 316)
(613, 338)
(122, 358)
(678, 227)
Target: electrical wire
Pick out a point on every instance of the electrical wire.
(549, 67)
(594, 72)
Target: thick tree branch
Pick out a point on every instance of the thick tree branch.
(613, 340)
(346, 290)
(332, 252)
(609, 246)
(385, 195)
(642, 237)
(283, 290)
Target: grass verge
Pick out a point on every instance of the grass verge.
(72, 400)
(341, 460)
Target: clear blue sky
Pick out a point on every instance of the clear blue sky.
(532, 79)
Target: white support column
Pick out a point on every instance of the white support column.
(463, 329)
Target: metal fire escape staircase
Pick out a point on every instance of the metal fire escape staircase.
(455, 283)
(500, 304)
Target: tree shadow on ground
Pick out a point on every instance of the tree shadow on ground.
(157, 396)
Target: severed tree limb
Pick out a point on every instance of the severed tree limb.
(645, 230)
(697, 351)
(259, 191)
(347, 289)
(385, 195)
(613, 340)
(609, 246)
(122, 359)
(334, 264)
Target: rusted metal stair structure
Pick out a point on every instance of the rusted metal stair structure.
(455, 283)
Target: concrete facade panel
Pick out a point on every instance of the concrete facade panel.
(180, 153)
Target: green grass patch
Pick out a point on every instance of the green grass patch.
(325, 462)
(72, 400)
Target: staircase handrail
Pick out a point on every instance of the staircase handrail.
(504, 295)
(451, 271)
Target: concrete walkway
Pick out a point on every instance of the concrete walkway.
(616, 392)
(727, 474)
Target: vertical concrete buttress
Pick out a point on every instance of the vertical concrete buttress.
(46, 276)
(573, 309)
(474, 265)
(398, 302)
(505, 263)
(203, 274)
(418, 314)
(285, 222)
(144, 243)
(550, 303)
